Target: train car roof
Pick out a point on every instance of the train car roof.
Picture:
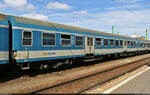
(56, 25)
(2, 17)
(51, 24)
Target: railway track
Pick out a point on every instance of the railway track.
(85, 83)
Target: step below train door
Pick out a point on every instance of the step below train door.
(89, 45)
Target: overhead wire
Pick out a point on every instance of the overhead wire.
(131, 11)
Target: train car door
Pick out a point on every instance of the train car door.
(125, 45)
(89, 47)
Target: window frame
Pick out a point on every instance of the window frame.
(31, 37)
(141, 44)
(98, 41)
(82, 41)
(90, 41)
(107, 42)
(43, 39)
(128, 44)
(66, 45)
(121, 41)
(118, 43)
(134, 43)
(111, 43)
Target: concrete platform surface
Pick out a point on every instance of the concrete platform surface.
(139, 84)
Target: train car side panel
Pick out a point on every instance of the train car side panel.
(4, 40)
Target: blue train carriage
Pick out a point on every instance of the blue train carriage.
(36, 40)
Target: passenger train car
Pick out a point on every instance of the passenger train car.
(30, 42)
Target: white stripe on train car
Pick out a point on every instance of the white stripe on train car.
(4, 55)
(4, 26)
(106, 51)
(48, 53)
(131, 49)
(55, 53)
(116, 50)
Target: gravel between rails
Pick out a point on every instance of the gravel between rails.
(42, 81)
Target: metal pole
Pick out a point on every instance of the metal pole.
(112, 29)
(118, 33)
(146, 34)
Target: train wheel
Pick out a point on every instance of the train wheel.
(3, 71)
(14, 69)
(36, 68)
(11, 70)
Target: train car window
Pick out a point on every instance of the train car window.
(132, 44)
(98, 42)
(117, 42)
(79, 41)
(129, 43)
(65, 40)
(141, 44)
(111, 42)
(121, 43)
(27, 38)
(90, 41)
(49, 39)
(148, 44)
(144, 45)
(105, 42)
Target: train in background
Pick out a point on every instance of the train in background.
(26, 42)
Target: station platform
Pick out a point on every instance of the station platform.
(140, 84)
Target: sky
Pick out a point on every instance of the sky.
(129, 17)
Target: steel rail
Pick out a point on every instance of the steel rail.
(84, 77)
